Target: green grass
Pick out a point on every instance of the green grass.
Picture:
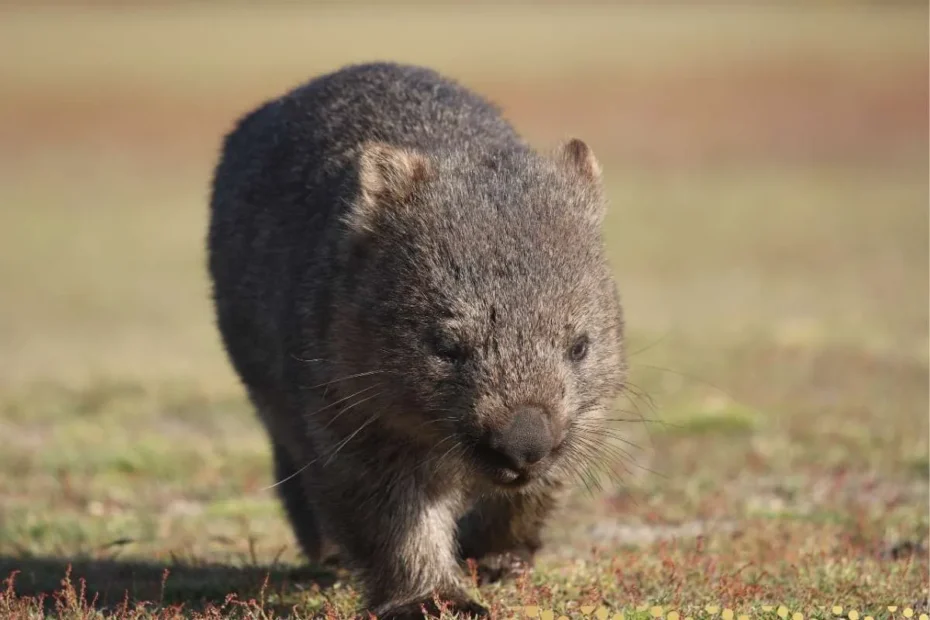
(773, 266)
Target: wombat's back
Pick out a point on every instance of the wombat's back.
(286, 170)
(305, 140)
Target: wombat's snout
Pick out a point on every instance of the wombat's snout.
(526, 441)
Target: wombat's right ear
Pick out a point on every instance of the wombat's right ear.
(388, 175)
(578, 158)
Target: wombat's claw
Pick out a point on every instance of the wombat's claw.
(333, 561)
(461, 607)
(502, 567)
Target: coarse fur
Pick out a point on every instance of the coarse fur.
(397, 274)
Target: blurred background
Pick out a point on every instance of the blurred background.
(767, 167)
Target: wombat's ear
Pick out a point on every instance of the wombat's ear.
(580, 159)
(389, 174)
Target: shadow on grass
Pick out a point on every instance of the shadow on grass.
(109, 584)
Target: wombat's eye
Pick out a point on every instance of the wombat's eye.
(579, 349)
(449, 350)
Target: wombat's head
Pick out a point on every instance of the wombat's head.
(480, 294)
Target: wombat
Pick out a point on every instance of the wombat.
(420, 308)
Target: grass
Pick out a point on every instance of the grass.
(768, 178)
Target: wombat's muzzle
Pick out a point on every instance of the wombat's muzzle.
(513, 450)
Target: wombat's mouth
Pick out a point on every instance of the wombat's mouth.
(499, 471)
(509, 478)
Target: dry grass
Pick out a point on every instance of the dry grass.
(768, 176)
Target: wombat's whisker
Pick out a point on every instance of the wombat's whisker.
(636, 419)
(609, 469)
(663, 423)
(600, 448)
(635, 393)
(590, 484)
(629, 388)
(635, 463)
(310, 361)
(342, 443)
(438, 460)
(435, 421)
(304, 468)
(606, 444)
(457, 446)
(691, 377)
(649, 403)
(575, 465)
(359, 375)
(442, 441)
(613, 461)
(612, 440)
(619, 432)
(648, 346)
(614, 434)
(291, 476)
(341, 400)
(596, 461)
(350, 406)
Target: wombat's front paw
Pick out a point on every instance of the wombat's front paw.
(457, 604)
(502, 567)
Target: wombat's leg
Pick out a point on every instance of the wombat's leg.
(414, 611)
(299, 511)
(402, 541)
(502, 533)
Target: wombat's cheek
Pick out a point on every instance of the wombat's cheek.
(560, 429)
(470, 424)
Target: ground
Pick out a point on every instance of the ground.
(767, 170)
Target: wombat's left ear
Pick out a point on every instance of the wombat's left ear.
(389, 174)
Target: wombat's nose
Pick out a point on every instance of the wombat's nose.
(526, 441)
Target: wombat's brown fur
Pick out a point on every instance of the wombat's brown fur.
(420, 308)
